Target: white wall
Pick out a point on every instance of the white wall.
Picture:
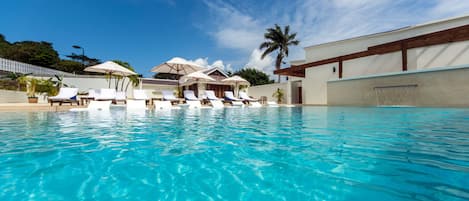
(86, 83)
(155, 91)
(8, 96)
(440, 87)
(348, 46)
(375, 64)
(315, 82)
(267, 90)
(315, 86)
(450, 54)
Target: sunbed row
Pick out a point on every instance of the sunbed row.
(69, 95)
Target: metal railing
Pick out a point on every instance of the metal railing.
(24, 68)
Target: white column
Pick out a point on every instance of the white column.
(288, 92)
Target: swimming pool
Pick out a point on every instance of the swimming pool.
(301, 153)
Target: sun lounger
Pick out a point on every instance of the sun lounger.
(66, 95)
(246, 98)
(229, 97)
(139, 94)
(211, 95)
(94, 105)
(92, 93)
(164, 105)
(217, 103)
(272, 104)
(106, 94)
(136, 105)
(121, 96)
(169, 96)
(255, 104)
(194, 104)
(237, 104)
(190, 96)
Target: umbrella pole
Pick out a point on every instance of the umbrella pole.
(236, 89)
(179, 87)
(109, 81)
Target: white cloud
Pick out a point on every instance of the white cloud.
(256, 62)
(201, 61)
(238, 39)
(448, 8)
(217, 63)
(237, 26)
(228, 68)
(234, 29)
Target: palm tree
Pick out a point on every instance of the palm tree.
(278, 40)
(132, 79)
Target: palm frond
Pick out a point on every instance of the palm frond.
(268, 51)
(265, 45)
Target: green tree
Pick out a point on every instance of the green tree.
(36, 53)
(278, 40)
(4, 46)
(254, 76)
(80, 58)
(69, 66)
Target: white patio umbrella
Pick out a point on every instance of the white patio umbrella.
(110, 68)
(197, 76)
(178, 66)
(236, 81)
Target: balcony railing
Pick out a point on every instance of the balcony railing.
(19, 67)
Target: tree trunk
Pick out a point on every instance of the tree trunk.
(278, 63)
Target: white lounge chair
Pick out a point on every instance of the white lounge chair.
(92, 93)
(244, 96)
(255, 104)
(106, 94)
(66, 95)
(139, 94)
(272, 104)
(121, 96)
(229, 97)
(211, 95)
(169, 96)
(190, 96)
(136, 105)
(194, 104)
(217, 104)
(164, 105)
(94, 105)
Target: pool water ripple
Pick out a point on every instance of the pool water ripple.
(302, 153)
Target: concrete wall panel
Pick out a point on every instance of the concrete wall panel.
(445, 87)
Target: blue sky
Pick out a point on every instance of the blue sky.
(213, 33)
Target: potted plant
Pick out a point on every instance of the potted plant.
(35, 86)
(278, 94)
(31, 84)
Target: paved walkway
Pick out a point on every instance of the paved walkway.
(15, 107)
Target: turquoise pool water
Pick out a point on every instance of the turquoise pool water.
(302, 153)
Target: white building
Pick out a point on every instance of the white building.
(425, 64)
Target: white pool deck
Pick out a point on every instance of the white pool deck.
(14, 107)
(32, 107)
